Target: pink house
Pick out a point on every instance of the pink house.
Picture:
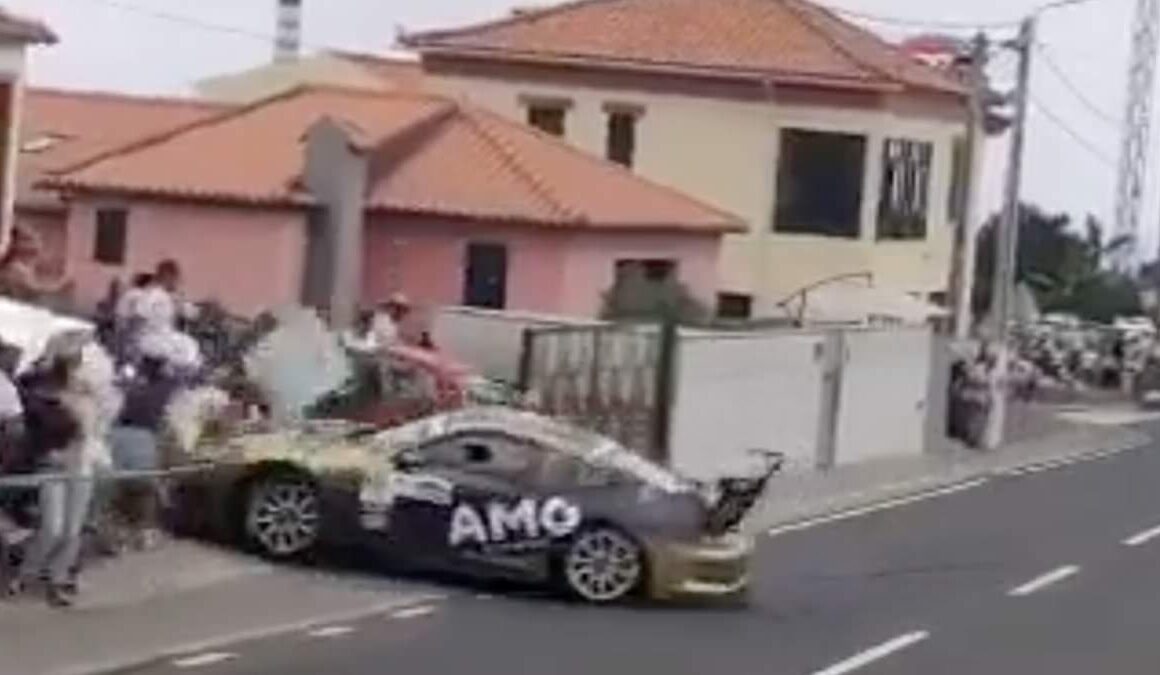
(338, 198)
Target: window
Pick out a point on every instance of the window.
(655, 270)
(734, 305)
(902, 204)
(959, 177)
(819, 183)
(489, 453)
(621, 140)
(547, 117)
(111, 236)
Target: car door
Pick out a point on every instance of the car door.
(442, 495)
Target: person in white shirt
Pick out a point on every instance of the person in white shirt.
(361, 338)
(389, 317)
(157, 304)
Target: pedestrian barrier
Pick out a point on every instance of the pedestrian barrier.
(24, 481)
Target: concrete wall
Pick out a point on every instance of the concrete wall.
(725, 151)
(248, 259)
(742, 391)
(738, 391)
(275, 78)
(490, 341)
(548, 270)
(884, 399)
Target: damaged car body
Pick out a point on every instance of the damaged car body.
(491, 492)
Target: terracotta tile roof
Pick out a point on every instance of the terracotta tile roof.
(429, 155)
(24, 29)
(251, 153)
(60, 128)
(783, 41)
(479, 164)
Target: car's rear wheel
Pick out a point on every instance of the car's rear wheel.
(602, 565)
(283, 517)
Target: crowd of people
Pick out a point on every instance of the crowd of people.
(103, 400)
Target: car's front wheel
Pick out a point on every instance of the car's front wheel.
(283, 516)
(603, 565)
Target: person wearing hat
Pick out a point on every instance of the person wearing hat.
(389, 318)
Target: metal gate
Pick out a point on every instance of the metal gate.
(609, 378)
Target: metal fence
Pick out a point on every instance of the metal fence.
(609, 378)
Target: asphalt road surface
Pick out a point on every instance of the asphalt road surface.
(1046, 572)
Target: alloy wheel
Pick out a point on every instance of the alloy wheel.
(283, 517)
(603, 565)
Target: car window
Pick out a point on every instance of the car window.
(560, 470)
(493, 454)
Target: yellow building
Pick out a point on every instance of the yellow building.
(837, 149)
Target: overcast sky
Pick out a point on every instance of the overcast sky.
(141, 46)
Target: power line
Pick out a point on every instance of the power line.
(186, 20)
(1075, 90)
(1084, 143)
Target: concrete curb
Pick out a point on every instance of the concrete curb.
(111, 667)
(914, 490)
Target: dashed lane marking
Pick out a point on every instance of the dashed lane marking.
(202, 660)
(875, 653)
(1142, 538)
(874, 508)
(413, 612)
(1043, 581)
(330, 631)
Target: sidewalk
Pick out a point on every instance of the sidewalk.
(182, 598)
(1039, 435)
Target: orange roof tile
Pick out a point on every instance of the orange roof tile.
(251, 153)
(783, 41)
(24, 29)
(60, 128)
(457, 161)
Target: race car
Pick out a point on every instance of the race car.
(490, 492)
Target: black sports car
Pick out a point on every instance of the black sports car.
(493, 492)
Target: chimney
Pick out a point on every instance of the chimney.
(288, 32)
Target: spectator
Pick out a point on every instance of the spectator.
(389, 318)
(362, 338)
(18, 276)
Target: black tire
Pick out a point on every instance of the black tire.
(602, 565)
(281, 515)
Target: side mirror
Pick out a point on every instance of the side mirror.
(408, 460)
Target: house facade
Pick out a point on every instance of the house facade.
(61, 128)
(344, 69)
(837, 149)
(338, 198)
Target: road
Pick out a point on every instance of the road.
(1053, 572)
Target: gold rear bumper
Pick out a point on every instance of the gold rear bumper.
(711, 567)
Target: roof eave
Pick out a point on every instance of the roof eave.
(216, 197)
(707, 228)
(805, 79)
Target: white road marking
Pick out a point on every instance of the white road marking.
(874, 508)
(413, 612)
(1142, 537)
(330, 631)
(1067, 461)
(1043, 581)
(200, 660)
(875, 653)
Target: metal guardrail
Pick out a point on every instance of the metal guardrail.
(24, 481)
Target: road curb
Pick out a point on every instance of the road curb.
(916, 490)
(113, 666)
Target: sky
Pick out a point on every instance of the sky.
(161, 46)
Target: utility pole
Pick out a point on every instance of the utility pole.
(962, 256)
(1007, 240)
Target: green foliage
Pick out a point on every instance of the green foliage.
(633, 297)
(1064, 267)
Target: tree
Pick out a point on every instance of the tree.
(634, 297)
(1065, 268)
